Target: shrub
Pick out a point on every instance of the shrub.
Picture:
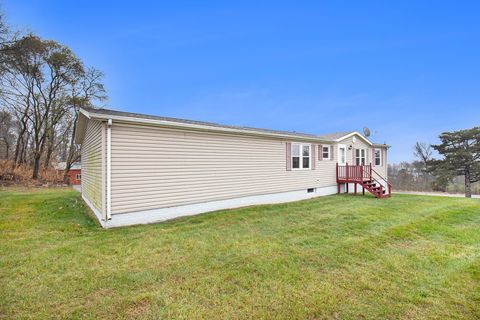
(22, 174)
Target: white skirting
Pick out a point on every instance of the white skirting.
(162, 214)
(95, 211)
(351, 188)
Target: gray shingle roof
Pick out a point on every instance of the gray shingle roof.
(335, 135)
(326, 137)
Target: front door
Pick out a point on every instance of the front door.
(342, 154)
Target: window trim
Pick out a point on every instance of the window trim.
(77, 176)
(300, 146)
(379, 157)
(329, 151)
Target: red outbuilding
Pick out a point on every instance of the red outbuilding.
(75, 173)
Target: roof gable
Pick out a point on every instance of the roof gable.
(354, 133)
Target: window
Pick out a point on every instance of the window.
(378, 157)
(326, 152)
(300, 156)
(78, 176)
(359, 157)
(295, 156)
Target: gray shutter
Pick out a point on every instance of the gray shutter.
(289, 156)
(353, 157)
(320, 152)
(382, 156)
(367, 157)
(331, 153)
(313, 156)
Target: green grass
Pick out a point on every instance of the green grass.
(336, 257)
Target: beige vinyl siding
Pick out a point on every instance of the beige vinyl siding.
(155, 167)
(92, 166)
(361, 144)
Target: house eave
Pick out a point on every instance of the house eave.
(81, 126)
(379, 145)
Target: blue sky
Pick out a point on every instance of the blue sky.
(407, 69)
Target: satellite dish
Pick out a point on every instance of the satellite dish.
(366, 132)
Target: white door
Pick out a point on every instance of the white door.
(342, 154)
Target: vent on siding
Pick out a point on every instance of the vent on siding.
(310, 190)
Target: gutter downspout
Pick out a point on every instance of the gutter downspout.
(109, 169)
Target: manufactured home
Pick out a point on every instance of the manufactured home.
(140, 169)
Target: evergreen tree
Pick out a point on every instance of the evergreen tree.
(461, 156)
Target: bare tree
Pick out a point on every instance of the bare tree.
(16, 92)
(4, 31)
(38, 76)
(423, 151)
(23, 135)
(86, 93)
(7, 39)
(7, 135)
(42, 87)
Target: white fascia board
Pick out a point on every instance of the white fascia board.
(80, 127)
(85, 113)
(351, 135)
(193, 126)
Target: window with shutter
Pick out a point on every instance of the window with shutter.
(326, 152)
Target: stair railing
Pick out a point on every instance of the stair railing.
(353, 173)
(389, 186)
(361, 173)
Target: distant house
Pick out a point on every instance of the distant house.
(142, 169)
(74, 174)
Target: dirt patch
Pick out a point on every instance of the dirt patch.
(138, 308)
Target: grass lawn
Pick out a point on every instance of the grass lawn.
(335, 257)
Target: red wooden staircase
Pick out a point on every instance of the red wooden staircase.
(366, 177)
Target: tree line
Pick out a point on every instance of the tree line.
(458, 162)
(43, 84)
